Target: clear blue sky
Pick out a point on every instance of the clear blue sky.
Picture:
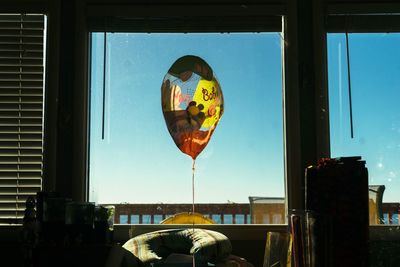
(139, 163)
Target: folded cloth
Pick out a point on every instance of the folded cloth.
(204, 245)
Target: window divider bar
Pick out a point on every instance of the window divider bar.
(387, 7)
(363, 23)
(185, 24)
(199, 10)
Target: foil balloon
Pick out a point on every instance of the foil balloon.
(192, 103)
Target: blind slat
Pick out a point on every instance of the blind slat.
(25, 176)
(21, 112)
(21, 62)
(9, 198)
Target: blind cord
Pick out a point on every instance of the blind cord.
(104, 84)
(349, 85)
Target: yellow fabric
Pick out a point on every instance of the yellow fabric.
(187, 218)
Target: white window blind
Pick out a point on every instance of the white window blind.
(21, 112)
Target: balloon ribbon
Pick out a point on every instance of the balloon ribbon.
(193, 169)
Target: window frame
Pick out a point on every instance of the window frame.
(325, 15)
(366, 17)
(297, 138)
(114, 18)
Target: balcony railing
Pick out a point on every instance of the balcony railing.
(230, 213)
(391, 213)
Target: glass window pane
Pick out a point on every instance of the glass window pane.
(157, 218)
(395, 219)
(375, 92)
(146, 219)
(123, 219)
(135, 219)
(385, 218)
(239, 218)
(216, 218)
(228, 218)
(133, 158)
(248, 218)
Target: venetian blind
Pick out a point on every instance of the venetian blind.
(21, 112)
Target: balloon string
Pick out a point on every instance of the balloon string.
(193, 170)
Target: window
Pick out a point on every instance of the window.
(375, 89)
(21, 112)
(132, 156)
